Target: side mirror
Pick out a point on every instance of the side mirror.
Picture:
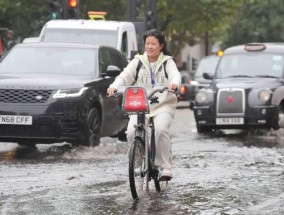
(207, 76)
(112, 71)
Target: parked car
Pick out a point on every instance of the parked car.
(208, 65)
(247, 90)
(117, 34)
(55, 92)
(190, 84)
(186, 92)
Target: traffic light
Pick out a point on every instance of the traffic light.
(56, 9)
(149, 20)
(194, 64)
(72, 9)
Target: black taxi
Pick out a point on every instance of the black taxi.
(247, 90)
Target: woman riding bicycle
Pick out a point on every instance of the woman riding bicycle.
(157, 69)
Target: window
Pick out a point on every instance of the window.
(118, 59)
(124, 44)
(104, 59)
(250, 64)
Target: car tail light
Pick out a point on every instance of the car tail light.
(135, 100)
(183, 89)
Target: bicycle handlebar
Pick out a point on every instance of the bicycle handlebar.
(160, 90)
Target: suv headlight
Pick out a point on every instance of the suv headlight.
(62, 93)
(200, 97)
(264, 95)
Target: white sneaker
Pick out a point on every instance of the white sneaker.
(166, 175)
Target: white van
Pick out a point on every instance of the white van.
(120, 35)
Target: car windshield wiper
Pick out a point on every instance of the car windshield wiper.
(266, 76)
(239, 76)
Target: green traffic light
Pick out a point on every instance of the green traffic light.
(53, 15)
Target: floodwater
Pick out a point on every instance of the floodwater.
(224, 173)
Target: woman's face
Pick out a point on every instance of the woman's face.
(153, 47)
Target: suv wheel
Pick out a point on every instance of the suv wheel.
(92, 132)
(122, 135)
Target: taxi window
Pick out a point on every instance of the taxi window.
(251, 64)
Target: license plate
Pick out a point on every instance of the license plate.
(16, 120)
(230, 121)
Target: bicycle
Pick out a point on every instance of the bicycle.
(141, 158)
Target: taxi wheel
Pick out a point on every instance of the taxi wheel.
(202, 129)
(280, 119)
(191, 105)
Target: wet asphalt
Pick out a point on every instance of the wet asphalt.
(222, 173)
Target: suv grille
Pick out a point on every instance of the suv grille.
(24, 96)
(230, 101)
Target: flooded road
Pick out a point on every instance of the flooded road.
(224, 173)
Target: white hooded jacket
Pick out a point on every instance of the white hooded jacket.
(167, 100)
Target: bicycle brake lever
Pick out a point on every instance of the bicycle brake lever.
(154, 100)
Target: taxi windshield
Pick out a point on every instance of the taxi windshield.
(250, 65)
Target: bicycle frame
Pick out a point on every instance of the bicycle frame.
(136, 101)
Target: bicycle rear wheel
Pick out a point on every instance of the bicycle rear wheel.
(136, 168)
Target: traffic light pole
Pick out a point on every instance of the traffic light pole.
(150, 12)
(150, 15)
(132, 10)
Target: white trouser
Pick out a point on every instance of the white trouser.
(162, 124)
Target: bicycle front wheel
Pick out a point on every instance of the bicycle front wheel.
(136, 168)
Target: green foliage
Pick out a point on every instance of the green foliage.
(187, 21)
(24, 18)
(257, 21)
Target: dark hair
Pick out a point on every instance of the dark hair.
(161, 38)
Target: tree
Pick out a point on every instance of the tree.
(257, 21)
(187, 21)
(24, 18)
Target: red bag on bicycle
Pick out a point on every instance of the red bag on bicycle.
(135, 100)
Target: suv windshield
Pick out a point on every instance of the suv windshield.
(45, 61)
(98, 37)
(250, 65)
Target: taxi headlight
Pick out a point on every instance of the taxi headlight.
(200, 97)
(264, 95)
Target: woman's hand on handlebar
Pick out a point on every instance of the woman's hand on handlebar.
(111, 91)
(173, 87)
